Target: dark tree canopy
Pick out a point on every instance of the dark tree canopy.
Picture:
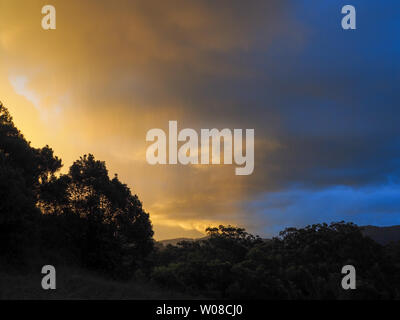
(301, 263)
(22, 170)
(84, 213)
(36, 165)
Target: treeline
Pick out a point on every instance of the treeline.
(299, 264)
(85, 218)
(82, 217)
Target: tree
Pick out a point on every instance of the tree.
(83, 214)
(23, 169)
(36, 165)
(303, 263)
(204, 266)
(115, 233)
(17, 211)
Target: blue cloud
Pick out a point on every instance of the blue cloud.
(370, 205)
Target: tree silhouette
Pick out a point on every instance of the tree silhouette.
(301, 263)
(116, 232)
(23, 169)
(84, 213)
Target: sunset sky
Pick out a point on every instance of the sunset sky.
(324, 102)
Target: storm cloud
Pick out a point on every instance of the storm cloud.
(323, 101)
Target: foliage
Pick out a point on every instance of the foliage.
(93, 220)
(299, 264)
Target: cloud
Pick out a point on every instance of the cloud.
(376, 205)
(19, 85)
(321, 101)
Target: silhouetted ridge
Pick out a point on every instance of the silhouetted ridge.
(383, 235)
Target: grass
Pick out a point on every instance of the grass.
(78, 284)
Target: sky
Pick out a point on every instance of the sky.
(324, 102)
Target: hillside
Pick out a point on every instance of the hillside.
(74, 283)
(175, 241)
(383, 235)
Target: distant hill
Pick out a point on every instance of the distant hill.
(383, 235)
(175, 241)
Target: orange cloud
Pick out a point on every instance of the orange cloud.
(113, 70)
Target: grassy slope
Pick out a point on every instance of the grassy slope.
(76, 284)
